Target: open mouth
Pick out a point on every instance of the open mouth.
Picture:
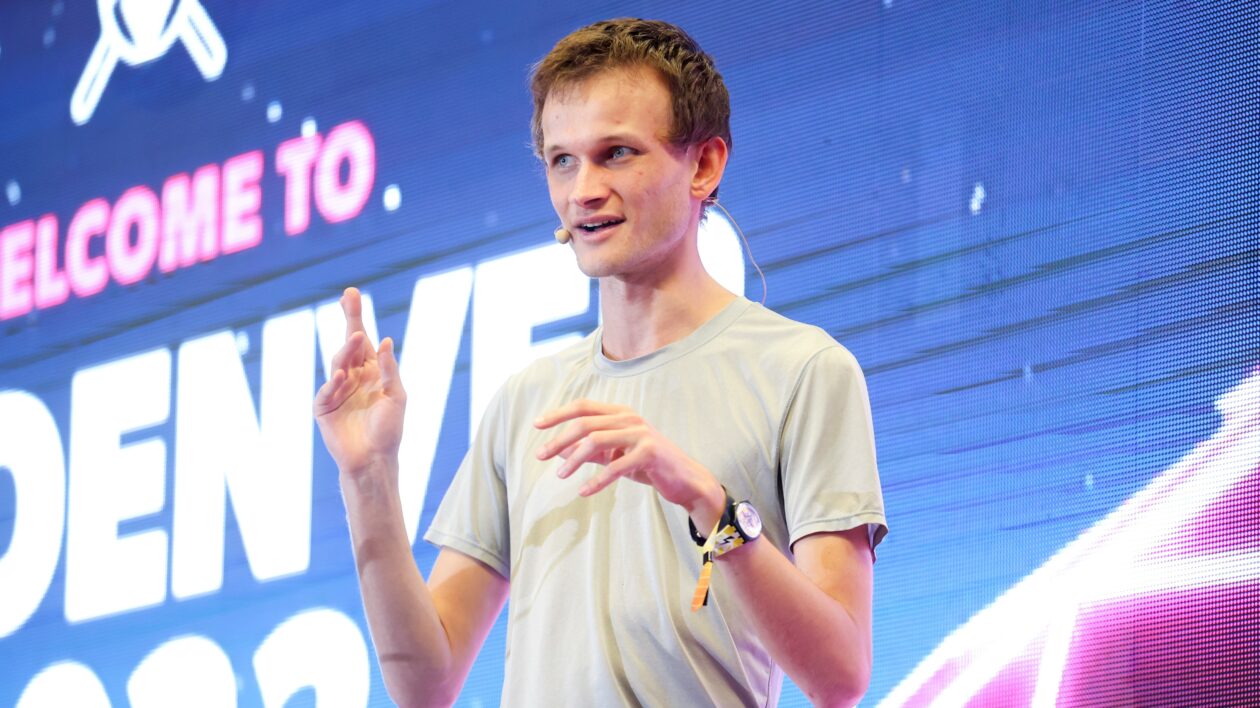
(597, 227)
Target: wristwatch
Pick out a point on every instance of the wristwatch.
(740, 524)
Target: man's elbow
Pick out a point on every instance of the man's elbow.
(844, 697)
(413, 689)
(840, 695)
(418, 696)
(844, 687)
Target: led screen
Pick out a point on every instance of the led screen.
(1034, 224)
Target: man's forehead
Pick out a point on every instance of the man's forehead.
(598, 98)
(631, 77)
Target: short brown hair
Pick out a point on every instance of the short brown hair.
(701, 105)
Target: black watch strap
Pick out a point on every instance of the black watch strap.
(728, 517)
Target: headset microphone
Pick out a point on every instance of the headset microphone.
(563, 236)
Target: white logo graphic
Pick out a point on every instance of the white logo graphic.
(147, 30)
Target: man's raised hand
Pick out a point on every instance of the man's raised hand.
(359, 408)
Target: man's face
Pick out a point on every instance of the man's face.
(616, 182)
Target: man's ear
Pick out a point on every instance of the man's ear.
(711, 156)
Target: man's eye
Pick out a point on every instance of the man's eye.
(562, 161)
(619, 152)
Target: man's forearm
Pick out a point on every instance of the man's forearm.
(411, 643)
(812, 635)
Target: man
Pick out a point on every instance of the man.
(597, 472)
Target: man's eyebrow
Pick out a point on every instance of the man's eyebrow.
(620, 138)
(612, 138)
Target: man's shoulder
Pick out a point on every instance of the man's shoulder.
(782, 341)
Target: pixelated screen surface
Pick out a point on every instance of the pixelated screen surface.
(1034, 225)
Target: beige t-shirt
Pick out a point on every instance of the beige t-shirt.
(599, 607)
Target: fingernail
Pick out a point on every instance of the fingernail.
(541, 452)
(538, 421)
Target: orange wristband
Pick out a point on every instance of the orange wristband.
(701, 595)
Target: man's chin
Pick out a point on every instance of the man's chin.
(629, 266)
(595, 267)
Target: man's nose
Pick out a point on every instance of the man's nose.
(590, 188)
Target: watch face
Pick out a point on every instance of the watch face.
(748, 519)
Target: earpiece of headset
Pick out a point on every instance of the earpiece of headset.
(713, 201)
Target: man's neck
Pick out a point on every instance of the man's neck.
(641, 317)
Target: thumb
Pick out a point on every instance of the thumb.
(389, 368)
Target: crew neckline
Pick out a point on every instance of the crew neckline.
(702, 334)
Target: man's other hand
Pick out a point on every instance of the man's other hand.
(625, 445)
(359, 408)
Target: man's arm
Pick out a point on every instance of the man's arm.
(426, 635)
(814, 617)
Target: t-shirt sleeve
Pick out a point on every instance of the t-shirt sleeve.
(827, 460)
(473, 515)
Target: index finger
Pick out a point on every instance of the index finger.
(352, 306)
(574, 409)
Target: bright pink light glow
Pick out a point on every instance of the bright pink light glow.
(352, 144)
(16, 243)
(51, 286)
(1153, 605)
(190, 218)
(136, 212)
(294, 159)
(242, 198)
(88, 274)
